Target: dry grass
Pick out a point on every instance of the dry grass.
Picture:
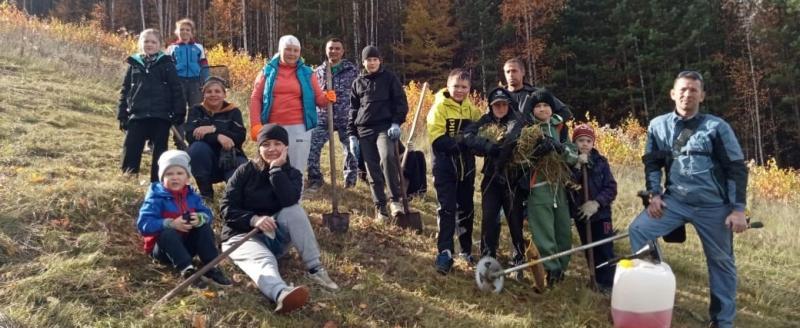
(70, 256)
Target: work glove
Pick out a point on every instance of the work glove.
(588, 209)
(544, 147)
(394, 131)
(227, 159)
(583, 159)
(175, 119)
(354, 147)
(123, 124)
(331, 96)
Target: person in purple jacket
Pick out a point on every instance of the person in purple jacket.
(602, 191)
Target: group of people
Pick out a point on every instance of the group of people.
(705, 175)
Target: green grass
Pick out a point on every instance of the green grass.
(70, 255)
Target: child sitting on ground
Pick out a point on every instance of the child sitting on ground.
(602, 191)
(175, 223)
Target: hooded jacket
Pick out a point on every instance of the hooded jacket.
(161, 204)
(227, 121)
(190, 59)
(602, 187)
(377, 100)
(151, 89)
(447, 122)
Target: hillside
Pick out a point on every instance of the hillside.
(70, 256)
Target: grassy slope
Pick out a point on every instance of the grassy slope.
(69, 254)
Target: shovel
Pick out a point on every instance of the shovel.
(335, 221)
(587, 227)
(409, 219)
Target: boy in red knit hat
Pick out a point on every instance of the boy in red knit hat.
(602, 191)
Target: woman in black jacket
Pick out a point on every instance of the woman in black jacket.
(150, 101)
(215, 131)
(263, 194)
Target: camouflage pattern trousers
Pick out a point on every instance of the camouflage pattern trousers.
(319, 136)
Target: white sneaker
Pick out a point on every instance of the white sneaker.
(396, 208)
(321, 277)
(291, 298)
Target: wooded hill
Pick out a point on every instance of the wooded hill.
(608, 57)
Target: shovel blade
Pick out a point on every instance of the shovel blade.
(539, 276)
(411, 221)
(336, 222)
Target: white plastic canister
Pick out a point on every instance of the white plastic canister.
(643, 295)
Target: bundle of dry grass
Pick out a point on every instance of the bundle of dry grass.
(492, 132)
(551, 166)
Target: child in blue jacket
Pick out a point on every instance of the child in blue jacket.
(602, 192)
(175, 223)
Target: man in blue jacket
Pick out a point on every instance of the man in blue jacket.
(706, 186)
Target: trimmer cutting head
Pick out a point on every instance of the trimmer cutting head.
(489, 275)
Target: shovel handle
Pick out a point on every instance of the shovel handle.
(332, 149)
(202, 270)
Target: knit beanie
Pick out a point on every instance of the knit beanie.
(370, 51)
(583, 130)
(288, 40)
(542, 96)
(274, 132)
(172, 158)
(211, 80)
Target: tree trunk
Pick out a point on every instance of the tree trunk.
(244, 26)
(641, 79)
(357, 49)
(759, 143)
(141, 12)
(111, 15)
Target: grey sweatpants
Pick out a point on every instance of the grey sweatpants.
(258, 257)
(379, 155)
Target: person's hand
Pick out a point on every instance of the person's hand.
(179, 224)
(225, 141)
(201, 131)
(354, 146)
(281, 160)
(266, 224)
(736, 221)
(394, 131)
(331, 96)
(656, 207)
(588, 209)
(195, 220)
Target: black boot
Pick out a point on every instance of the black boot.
(206, 189)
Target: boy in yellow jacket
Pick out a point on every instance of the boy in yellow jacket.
(453, 167)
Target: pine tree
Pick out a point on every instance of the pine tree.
(431, 39)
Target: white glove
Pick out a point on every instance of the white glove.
(588, 209)
(394, 131)
(583, 159)
(354, 146)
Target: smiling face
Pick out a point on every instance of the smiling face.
(184, 32)
(270, 150)
(290, 54)
(687, 94)
(175, 178)
(214, 95)
(151, 44)
(458, 88)
(542, 111)
(335, 51)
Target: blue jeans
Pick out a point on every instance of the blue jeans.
(172, 248)
(717, 240)
(205, 163)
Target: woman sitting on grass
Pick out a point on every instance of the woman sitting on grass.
(216, 133)
(264, 194)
